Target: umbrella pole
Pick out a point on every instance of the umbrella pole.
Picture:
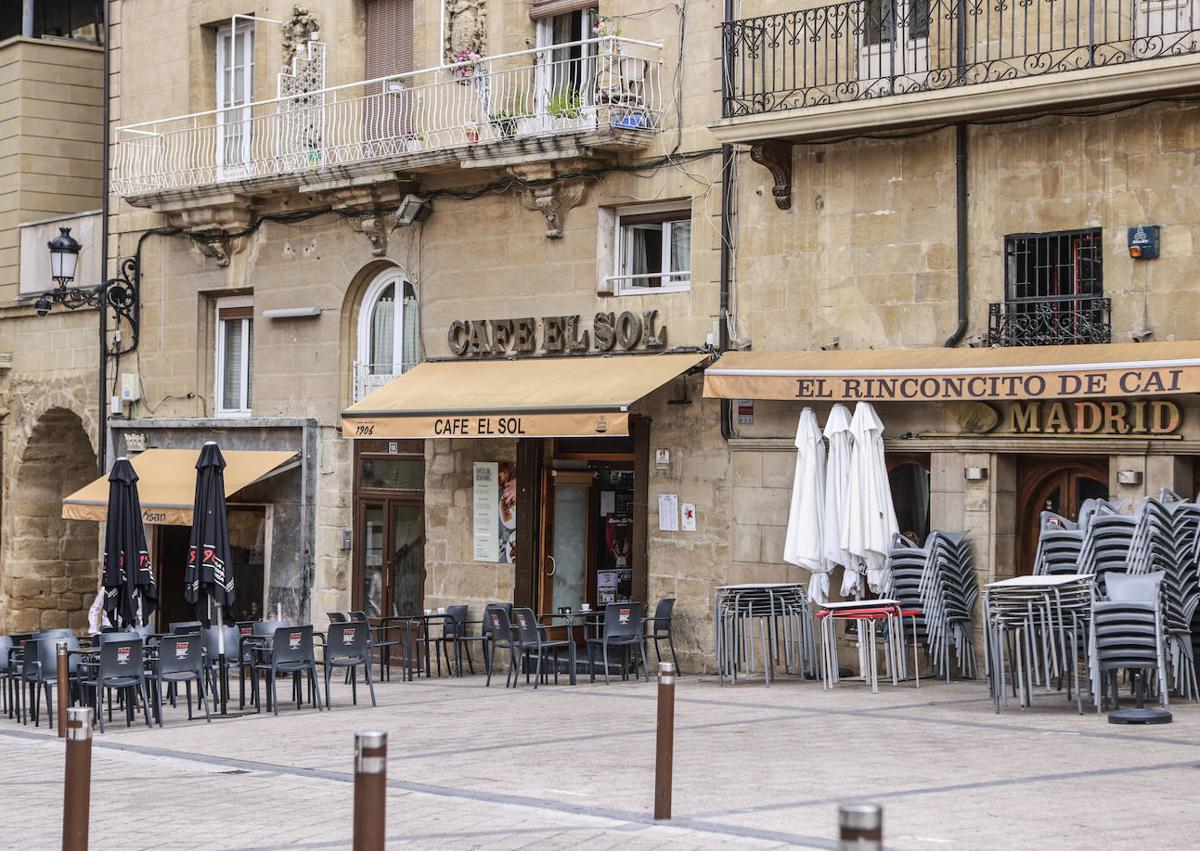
(221, 682)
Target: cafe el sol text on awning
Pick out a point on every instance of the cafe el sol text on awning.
(939, 374)
(167, 483)
(532, 397)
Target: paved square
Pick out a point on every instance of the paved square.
(475, 767)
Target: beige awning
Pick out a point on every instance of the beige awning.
(167, 483)
(906, 375)
(535, 397)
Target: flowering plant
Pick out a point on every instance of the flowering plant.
(465, 63)
(604, 27)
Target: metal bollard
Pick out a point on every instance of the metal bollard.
(860, 827)
(370, 790)
(77, 785)
(664, 752)
(63, 688)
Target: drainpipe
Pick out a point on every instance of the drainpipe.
(102, 431)
(960, 230)
(726, 228)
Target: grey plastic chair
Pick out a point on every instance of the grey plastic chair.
(121, 667)
(529, 640)
(292, 652)
(661, 628)
(349, 646)
(501, 638)
(622, 628)
(1128, 632)
(40, 672)
(185, 626)
(180, 660)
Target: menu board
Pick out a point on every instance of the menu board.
(486, 511)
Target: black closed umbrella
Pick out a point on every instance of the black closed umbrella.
(130, 595)
(208, 580)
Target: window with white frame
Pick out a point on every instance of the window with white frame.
(235, 87)
(388, 332)
(653, 249)
(234, 356)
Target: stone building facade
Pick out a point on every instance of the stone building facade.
(52, 166)
(509, 180)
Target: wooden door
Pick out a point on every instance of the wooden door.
(1052, 484)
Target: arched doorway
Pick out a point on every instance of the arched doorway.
(1053, 484)
(51, 565)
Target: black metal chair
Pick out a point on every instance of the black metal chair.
(529, 640)
(348, 646)
(291, 652)
(121, 667)
(660, 627)
(622, 628)
(180, 660)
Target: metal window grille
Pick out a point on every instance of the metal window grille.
(1054, 289)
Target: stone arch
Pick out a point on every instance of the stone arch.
(50, 564)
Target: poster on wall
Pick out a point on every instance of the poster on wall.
(486, 515)
(506, 499)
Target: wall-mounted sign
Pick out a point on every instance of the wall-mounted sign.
(1150, 418)
(486, 513)
(624, 331)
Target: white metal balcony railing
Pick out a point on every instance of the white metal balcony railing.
(369, 377)
(589, 85)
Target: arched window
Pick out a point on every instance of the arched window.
(388, 332)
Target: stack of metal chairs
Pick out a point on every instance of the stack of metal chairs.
(768, 627)
(1038, 631)
(1165, 539)
(1107, 540)
(1059, 544)
(939, 579)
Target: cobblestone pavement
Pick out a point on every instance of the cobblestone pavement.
(563, 766)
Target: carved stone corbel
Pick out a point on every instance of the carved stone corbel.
(776, 157)
(219, 246)
(553, 202)
(376, 229)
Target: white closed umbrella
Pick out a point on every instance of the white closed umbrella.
(805, 544)
(837, 489)
(870, 519)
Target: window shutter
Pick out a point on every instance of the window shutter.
(389, 37)
(551, 8)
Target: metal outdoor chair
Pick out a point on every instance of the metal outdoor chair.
(661, 628)
(6, 670)
(348, 646)
(180, 660)
(1128, 633)
(121, 667)
(454, 630)
(210, 642)
(292, 652)
(337, 617)
(529, 640)
(622, 628)
(179, 627)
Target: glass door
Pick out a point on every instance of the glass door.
(565, 571)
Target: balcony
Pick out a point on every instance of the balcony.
(842, 67)
(596, 97)
(1050, 321)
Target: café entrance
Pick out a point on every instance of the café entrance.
(587, 532)
(1047, 483)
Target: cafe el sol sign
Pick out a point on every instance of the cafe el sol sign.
(1153, 418)
(610, 331)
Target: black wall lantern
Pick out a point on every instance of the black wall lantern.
(120, 294)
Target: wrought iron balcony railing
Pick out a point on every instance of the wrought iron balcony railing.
(1050, 321)
(875, 48)
(609, 84)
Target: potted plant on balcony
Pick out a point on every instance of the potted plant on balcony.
(504, 122)
(414, 142)
(565, 106)
(472, 133)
